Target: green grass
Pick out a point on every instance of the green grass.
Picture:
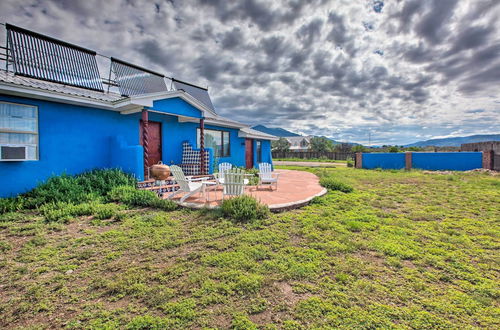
(402, 250)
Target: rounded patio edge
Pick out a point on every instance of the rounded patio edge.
(295, 189)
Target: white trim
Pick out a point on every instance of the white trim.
(147, 100)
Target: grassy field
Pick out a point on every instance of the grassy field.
(403, 250)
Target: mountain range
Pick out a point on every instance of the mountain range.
(455, 141)
(281, 132)
(445, 142)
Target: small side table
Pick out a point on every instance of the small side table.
(204, 189)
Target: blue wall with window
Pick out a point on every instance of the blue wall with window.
(74, 139)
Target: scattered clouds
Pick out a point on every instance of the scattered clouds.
(402, 70)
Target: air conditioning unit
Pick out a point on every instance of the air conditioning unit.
(13, 152)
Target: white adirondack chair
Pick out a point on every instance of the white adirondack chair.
(188, 185)
(234, 182)
(267, 176)
(223, 167)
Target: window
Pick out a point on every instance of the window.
(259, 151)
(18, 130)
(217, 140)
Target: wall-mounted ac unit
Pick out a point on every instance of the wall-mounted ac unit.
(13, 152)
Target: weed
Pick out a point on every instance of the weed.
(333, 184)
(84, 187)
(148, 322)
(244, 209)
(241, 322)
(144, 198)
(10, 205)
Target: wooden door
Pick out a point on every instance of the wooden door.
(249, 153)
(154, 152)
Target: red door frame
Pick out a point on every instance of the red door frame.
(249, 153)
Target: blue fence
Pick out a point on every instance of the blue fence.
(451, 161)
(434, 161)
(394, 161)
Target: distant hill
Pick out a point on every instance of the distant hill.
(455, 141)
(276, 131)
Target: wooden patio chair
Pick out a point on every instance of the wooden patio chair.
(223, 167)
(234, 182)
(267, 176)
(187, 184)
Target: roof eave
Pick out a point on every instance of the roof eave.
(48, 95)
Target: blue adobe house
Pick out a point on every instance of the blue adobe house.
(57, 115)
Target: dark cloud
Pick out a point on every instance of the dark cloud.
(338, 32)
(203, 33)
(471, 37)
(310, 32)
(432, 26)
(232, 39)
(152, 50)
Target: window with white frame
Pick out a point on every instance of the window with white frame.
(18, 131)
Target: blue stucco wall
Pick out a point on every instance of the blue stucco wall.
(266, 153)
(176, 106)
(127, 157)
(72, 139)
(384, 160)
(450, 161)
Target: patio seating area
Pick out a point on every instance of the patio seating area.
(295, 189)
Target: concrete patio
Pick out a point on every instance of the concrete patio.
(295, 189)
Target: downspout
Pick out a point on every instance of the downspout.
(145, 141)
(202, 146)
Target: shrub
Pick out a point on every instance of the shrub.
(244, 209)
(105, 211)
(77, 189)
(332, 184)
(350, 163)
(133, 197)
(147, 322)
(10, 205)
(57, 212)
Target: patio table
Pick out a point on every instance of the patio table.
(204, 189)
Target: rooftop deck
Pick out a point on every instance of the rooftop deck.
(295, 189)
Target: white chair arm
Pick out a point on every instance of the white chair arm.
(191, 179)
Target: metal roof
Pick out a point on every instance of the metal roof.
(11, 78)
(254, 134)
(197, 92)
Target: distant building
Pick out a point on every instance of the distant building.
(482, 146)
(299, 143)
(491, 152)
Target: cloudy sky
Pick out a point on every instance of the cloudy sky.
(402, 70)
